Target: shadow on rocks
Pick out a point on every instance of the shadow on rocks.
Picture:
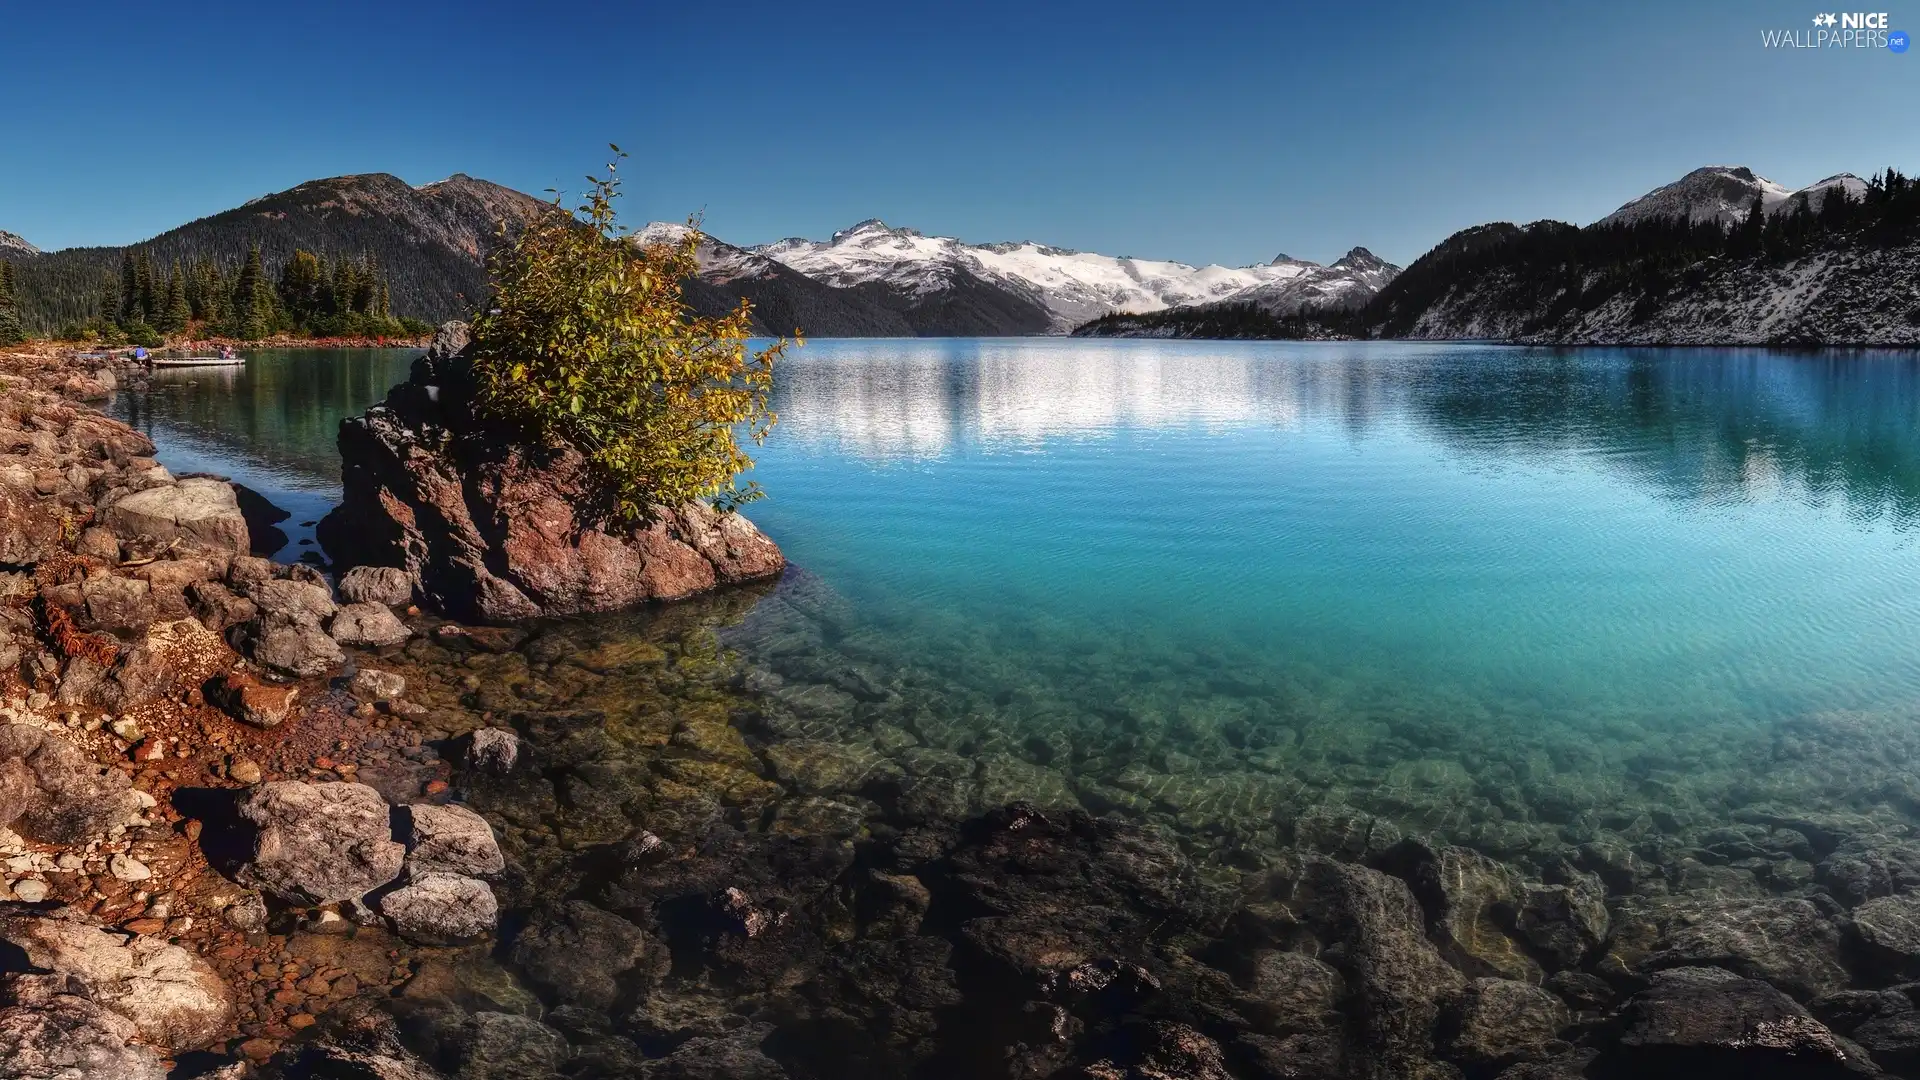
(226, 839)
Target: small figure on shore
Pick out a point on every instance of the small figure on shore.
(140, 353)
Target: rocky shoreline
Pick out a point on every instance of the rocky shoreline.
(264, 823)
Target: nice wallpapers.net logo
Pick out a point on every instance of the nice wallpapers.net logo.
(1840, 30)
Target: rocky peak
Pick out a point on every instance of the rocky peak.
(1360, 258)
(13, 246)
(872, 227)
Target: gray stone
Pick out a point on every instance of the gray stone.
(441, 908)
(376, 585)
(300, 651)
(248, 914)
(371, 625)
(118, 603)
(283, 601)
(449, 840)
(217, 606)
(320, 843)
(198, 508)
(372, 684)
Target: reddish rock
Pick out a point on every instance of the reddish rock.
(489, 527)
(250, 701)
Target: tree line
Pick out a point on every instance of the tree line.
(314, 296)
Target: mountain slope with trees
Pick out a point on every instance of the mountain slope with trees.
(1846, 273)
(429, 242)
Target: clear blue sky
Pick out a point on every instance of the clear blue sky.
(1197, 131)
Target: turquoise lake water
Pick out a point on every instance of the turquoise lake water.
(1498, 533)
(1103, 556)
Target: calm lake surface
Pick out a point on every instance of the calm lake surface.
(1380, 569)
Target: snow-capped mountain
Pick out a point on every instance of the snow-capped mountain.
(14, 247)
(1348, 284)
(1725, 193)
(1071, 286)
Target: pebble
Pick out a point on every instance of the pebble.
(127, 868)
(30, 890)
(127, 728)
(244, 771)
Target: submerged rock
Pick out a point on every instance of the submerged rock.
(489, 527)
(493, 750)
(1711, 1022)
(1499, 1021)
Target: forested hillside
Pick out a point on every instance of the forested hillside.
(1841, 273)
(429, 245)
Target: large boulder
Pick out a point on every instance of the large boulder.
(320, 843)
(199, 509)
(489, 526)
(175, 1000)
(51, 792)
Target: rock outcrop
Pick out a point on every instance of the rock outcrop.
(490, 527)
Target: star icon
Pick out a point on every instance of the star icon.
(1824, 20)
(1830, 19)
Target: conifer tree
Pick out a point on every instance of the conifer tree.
(10, 330)
(144, 286)
(176, 313)
(129, 308)
(252, 300)
(1753, 230)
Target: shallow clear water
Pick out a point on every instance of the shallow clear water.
(270, 425)
(1450, 585)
